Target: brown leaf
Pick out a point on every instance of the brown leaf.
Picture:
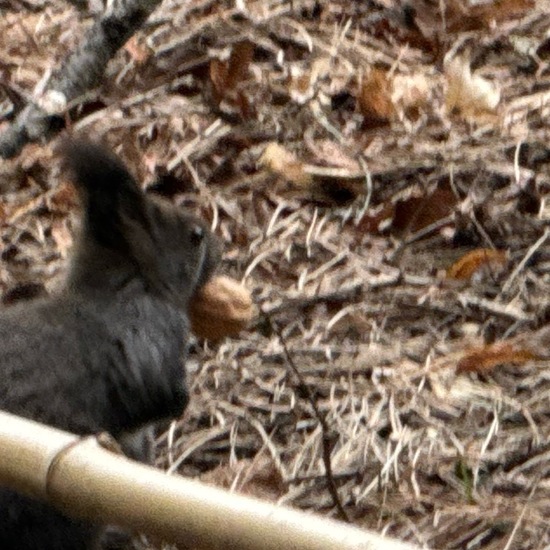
(227, 75)
(475, 260)
(239, 63)
(484, 14)
(374, 99)
(243, 105)
(322, 184)
(284, 163)
(24, 291)
(416, 213)
(484, 359)
(335, 186)
(374, 219)
(459, 16)
(218, 77)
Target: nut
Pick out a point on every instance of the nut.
(222, 307)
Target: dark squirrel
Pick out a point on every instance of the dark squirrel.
(107, 353)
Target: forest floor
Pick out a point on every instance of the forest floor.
(378, 172)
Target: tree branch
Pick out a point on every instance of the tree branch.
(81, 72)
(327, 437)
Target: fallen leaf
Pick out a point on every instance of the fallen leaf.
(485, 358)
(376, 218)
(416, 213)
(239, 63)
(473, 262)
(284, 163)
(227, 75)
(218, 77)
(487, 13)
(374, 98)
(467, 93)
(459, 16)
(324, 184)
(335, 186)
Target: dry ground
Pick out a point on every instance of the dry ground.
(396, 163)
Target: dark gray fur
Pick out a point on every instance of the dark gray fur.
(106, 354)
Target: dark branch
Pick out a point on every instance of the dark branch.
(81, 72)
(327, 436)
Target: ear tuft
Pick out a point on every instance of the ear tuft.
(112, 200)
(93, 168)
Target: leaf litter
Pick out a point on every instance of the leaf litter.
(379, 174)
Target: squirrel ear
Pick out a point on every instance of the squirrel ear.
(110, 196)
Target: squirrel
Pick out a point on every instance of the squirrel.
(107, 353)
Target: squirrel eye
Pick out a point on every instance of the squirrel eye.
(197, 235)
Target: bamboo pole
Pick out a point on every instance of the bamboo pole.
(83, 479)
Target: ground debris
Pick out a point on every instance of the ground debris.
(350, 273)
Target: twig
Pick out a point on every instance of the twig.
(508, 311)
(325, 431)
(81, 72)
(420, 234)
(521, 266)
(348, 294)
(522, 514)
